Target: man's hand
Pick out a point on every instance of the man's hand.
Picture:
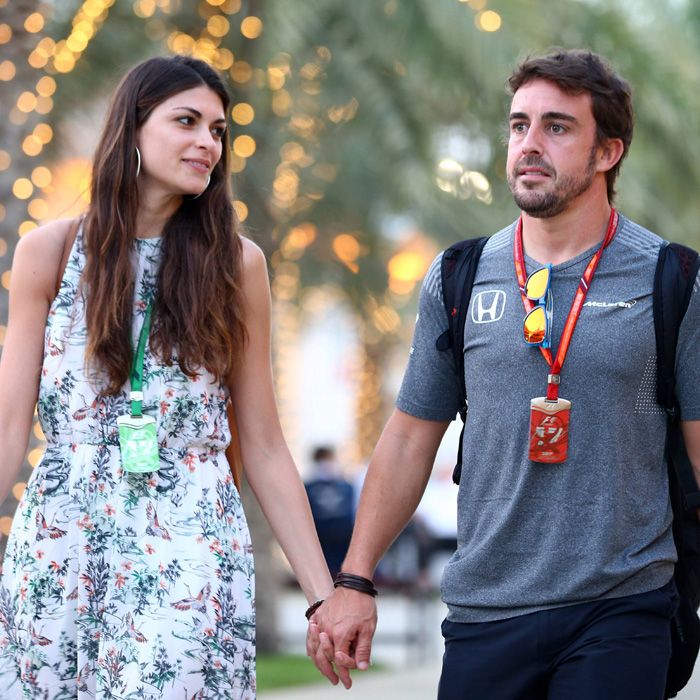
(340, 634)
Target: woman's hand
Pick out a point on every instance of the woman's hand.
(340, 634)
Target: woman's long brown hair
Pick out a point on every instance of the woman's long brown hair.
(197, 318)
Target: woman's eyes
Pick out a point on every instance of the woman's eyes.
(187, 120)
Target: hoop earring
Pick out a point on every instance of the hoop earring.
(204, 190)
(138, 161)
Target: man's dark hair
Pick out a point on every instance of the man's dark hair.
(579, 71)
(323, 452)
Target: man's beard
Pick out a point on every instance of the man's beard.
(544, 205)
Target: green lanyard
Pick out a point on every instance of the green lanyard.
(136, 395)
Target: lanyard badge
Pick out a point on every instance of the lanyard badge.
(549, 415)
(138, 443)
(549, 430)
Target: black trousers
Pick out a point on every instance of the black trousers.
(614, 649)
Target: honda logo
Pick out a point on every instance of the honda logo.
(489, 306)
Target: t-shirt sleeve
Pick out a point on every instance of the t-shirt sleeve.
(688, 359)
(430, 389)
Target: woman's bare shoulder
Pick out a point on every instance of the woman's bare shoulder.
(252, 254)
(47, 240)
(40, 253)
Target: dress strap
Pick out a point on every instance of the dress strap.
(76, 228)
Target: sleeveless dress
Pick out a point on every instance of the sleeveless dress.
(119, 585)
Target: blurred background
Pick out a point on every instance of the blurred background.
(366, 136)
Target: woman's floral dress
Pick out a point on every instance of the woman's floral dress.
(117, 585)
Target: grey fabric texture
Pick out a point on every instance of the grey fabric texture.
(536, 536)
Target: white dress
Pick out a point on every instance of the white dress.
(117, 585)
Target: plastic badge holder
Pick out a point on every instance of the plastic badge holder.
(549, 430)
(138, 443)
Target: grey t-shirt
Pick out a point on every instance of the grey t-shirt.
(535, 536)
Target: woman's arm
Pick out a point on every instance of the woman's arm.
(33, 285)
(691, 437)
(267, 463)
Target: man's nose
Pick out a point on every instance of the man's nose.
(532, 142)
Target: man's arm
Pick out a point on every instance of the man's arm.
(396, 479)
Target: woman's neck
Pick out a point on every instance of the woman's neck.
(153, 213)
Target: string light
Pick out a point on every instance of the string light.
(38, 432)
(26, 102)
(241, 210)
(7, 70)
(86, 23)
(25, 227)
(46, 86)
(5, 524)
(35, 455)
(34, 23)
(22, 188)
(38, 209)
(241, 72)
(41, 176)
(488, 21)
(31, 146)
(251, 27)
(244, 146)
(218, 26)
(242, 113)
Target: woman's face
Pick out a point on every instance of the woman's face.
(180, 143)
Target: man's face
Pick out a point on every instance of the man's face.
(552, 151)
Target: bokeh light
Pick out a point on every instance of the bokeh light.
(488, 21)
(244, 146)
(22, 188)
(251, 27)
(242, 113)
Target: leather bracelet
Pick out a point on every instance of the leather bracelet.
(313, 608)
(355, 583)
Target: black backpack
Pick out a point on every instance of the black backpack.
(676, 271)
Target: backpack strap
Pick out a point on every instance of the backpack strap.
(676, 271)
(457, 271)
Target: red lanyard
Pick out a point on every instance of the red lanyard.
(576, 306)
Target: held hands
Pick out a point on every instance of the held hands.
(340, 634)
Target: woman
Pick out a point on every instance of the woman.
(129, 568)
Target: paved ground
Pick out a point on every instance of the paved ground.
(398, 684)
(408, 645)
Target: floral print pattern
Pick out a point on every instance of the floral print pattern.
(117, 585)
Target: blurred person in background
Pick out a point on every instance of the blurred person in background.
(129, 568)
(437, 514)
(332, 501)
(561, 587)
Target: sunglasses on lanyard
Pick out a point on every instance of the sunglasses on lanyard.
(537, 326)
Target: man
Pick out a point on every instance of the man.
(561, 584)
(332, 501)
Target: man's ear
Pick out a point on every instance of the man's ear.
(609, 154)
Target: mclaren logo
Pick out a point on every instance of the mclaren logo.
(489, 306)
(607, 304)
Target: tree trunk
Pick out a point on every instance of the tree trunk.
(373, 405)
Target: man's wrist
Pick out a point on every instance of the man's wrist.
(355, 582)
